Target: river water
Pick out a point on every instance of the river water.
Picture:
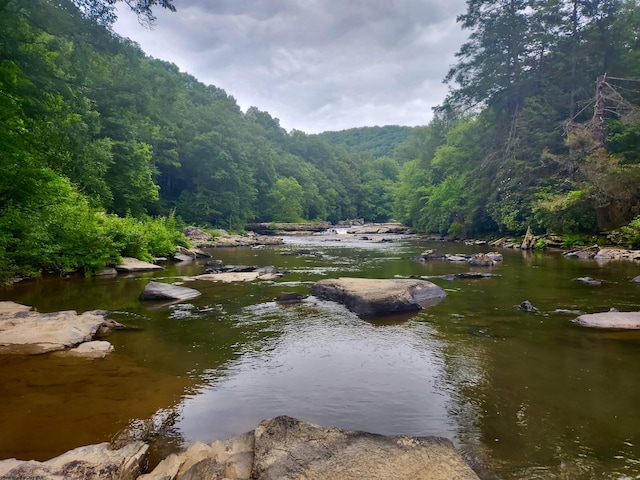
(522, 395)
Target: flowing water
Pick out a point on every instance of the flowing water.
(522, 395)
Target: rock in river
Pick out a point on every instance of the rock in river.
(611, 319)
(24, 331)
(370, 297)
(288, 448)
(130, 264)
(165, 291)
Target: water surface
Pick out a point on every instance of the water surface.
(522, 395)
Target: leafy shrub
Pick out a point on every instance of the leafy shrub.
(631, 233)
(456, 230)
(540, 244)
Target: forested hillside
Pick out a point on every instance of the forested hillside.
(104, 149)
(541, 128)
(96, 136)
(373, 141)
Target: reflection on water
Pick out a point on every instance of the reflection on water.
(523, 395)
(330, 368)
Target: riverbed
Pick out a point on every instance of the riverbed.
(522, 395)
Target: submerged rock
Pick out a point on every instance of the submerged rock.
(588, 281)
(369, 297)
(291, 297)
(287, 448)
(611, 319)
(165, 291)
(527, 306)
(95, 462)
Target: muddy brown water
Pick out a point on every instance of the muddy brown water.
(522, 395)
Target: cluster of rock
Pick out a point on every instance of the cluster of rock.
(378, 228)
(603, 254)
(24, 331)
(476, 260)
(278, 448)
(239, 273)
(287, 228)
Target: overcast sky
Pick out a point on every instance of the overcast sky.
(316, 65)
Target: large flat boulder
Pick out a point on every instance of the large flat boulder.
(91, 462)
(626, 320)
(371, 297)
(24, 331)
(289, 448)
(166, 291)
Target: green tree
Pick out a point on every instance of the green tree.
(285, 200)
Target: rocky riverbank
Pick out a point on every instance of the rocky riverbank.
(281, 447)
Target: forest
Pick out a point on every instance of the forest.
(107, 152)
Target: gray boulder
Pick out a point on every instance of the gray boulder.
(481, 260)
(291, 297)
(527, 306)
(181, 257)
(289, 448)
(370, 297)
(166, 291)
(95, 462)
(611, 319)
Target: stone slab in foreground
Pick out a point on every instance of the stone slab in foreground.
(24, 331)
(371, 297)
(90, 462)
(623, 320)
(287, 448)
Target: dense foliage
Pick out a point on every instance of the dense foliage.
(541, 127)
(93, 128)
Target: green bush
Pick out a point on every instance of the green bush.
(61, 232)
(631, 233)
(540, 244)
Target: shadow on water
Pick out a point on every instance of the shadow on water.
(523, 395)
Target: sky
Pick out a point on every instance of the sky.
(316, 65)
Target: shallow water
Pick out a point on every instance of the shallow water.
(522, 395)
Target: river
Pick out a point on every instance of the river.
(522, 395)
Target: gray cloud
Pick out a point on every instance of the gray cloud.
(315, 64)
